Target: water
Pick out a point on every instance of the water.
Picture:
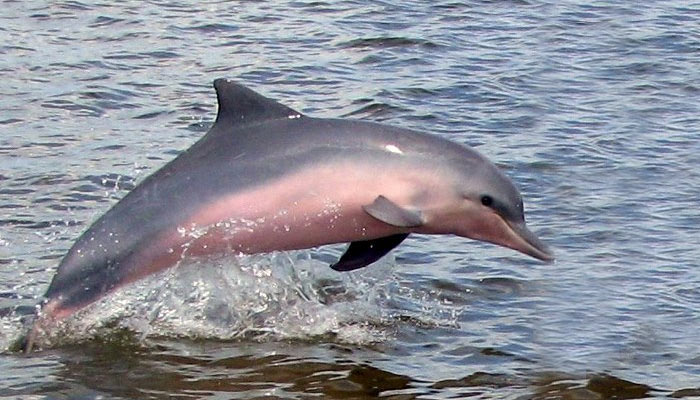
(591, 107)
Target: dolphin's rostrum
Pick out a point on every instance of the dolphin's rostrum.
(265, 177)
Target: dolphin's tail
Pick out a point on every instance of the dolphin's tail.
(25, 342)
(37, 323)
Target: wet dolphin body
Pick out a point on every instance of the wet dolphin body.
(266, 177)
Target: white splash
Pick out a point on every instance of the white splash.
(278, 296)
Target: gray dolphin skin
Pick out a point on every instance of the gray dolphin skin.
(265, 178)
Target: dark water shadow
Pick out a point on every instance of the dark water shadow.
(118, 368)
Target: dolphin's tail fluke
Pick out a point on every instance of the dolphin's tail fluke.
(38, 323)
(25, 342)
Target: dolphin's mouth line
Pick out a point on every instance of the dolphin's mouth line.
(533, 246)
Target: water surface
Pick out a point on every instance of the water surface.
(591, 107)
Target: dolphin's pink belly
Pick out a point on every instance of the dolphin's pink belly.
(286, 233)
(305, 209)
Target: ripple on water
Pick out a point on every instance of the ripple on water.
(590, 107)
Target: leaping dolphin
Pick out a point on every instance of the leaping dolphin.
(266, 177)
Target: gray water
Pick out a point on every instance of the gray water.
(593, 108)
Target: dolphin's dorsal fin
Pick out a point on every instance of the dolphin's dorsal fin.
(240, 105)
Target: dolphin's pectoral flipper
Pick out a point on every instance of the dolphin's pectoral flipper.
(363, 253)
(391, 213)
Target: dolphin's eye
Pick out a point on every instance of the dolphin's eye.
(487, 200)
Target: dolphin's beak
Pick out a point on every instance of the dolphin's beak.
(491, 227)
(528, 242)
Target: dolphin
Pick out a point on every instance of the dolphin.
(266, 177)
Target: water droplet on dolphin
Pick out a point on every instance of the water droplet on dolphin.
(392, 149)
